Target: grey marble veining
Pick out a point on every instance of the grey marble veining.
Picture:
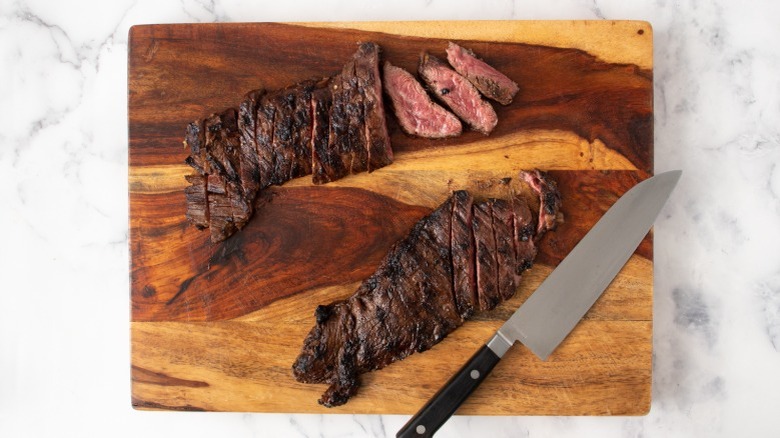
(63, 182)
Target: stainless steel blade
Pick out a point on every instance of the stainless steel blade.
(553, 310)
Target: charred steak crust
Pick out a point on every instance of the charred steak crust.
(423, 289)
(329, 128)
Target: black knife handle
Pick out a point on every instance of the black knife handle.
(441, 407)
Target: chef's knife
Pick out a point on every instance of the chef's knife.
(552, 311)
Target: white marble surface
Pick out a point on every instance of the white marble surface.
(64, 331)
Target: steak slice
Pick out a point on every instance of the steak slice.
(415, 298)
(457, 93)
(490, 82)
(223, 145)
(354, 151)
(503, 231)
(321, 164)
(218, 197)
(380, 153)
(195, 140)
(486, 262)
(417, 114)
(282, 140)
(333, 167)
(227, 211)
(523, 230)
(248, 159)
(550, 199)
(264, 136)
(197, 201)
(302, 130)
(462, 254)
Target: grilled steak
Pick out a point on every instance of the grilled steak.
(457, 93)
(329, 128)
(423, 290)
(489, 81)
(417, 114)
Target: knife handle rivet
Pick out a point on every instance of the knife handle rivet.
(474, 374)
(420, 429)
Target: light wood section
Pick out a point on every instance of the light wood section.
(622, 42)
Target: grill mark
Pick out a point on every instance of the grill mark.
(452, 263)
(492, 215)
(475, 259)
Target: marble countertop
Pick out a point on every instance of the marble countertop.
(64, 348)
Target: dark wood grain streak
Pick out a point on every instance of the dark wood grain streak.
(302, 238)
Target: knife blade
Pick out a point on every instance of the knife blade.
(555, 308)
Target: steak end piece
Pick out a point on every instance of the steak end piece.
(417, 114)
(457, 93)
(490, 82)
(549, 197)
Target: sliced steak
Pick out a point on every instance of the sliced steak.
(462, 254)
(550, 199)
(377, 139)
(457, 93)
(490, 82)
(417, 114)
(329, 128)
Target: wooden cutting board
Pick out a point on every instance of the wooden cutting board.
(216, 327)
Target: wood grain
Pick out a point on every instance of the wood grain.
(216, 327)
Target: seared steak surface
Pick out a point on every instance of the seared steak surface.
(463, 257)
